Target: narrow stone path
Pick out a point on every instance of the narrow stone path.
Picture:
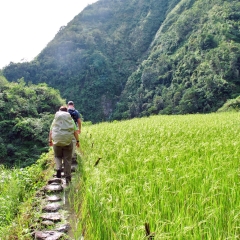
(52, 223)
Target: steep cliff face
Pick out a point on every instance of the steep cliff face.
(123, 58)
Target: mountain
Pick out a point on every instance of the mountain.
(121, 59)
(193, 63)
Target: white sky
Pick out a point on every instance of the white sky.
(27, 26)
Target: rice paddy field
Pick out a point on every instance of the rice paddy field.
(173, 177)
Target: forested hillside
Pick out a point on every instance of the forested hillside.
(193, 63)
(122, 59)
(26, 112)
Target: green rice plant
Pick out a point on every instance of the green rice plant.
(177, 174)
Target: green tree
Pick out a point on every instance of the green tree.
(26, 112)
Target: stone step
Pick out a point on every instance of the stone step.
(55, 217)
(52, 223)
(47, 223)
(52, 207)
(48, 235)
(63, 228)
(55, 180)
(53, 198)
(53, 187)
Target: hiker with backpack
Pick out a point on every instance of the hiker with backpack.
(76, 117)
(62, 131)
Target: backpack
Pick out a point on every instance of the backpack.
(62, 129)
(74, 114)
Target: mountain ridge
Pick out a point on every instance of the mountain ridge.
(124, 59)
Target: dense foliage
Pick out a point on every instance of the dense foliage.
(26, 112)
(122, 59)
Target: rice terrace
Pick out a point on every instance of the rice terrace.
(179, 174)
(158, 177)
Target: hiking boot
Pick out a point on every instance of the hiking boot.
(74, 158)
(68, 180)
(59, 173)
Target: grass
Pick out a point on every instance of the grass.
(179, 174)
(17, 190)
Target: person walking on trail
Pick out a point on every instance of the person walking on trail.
(62, 131)
(76, 117)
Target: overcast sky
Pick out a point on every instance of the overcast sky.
(27, 26)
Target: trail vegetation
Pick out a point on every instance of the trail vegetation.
(18, 190)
